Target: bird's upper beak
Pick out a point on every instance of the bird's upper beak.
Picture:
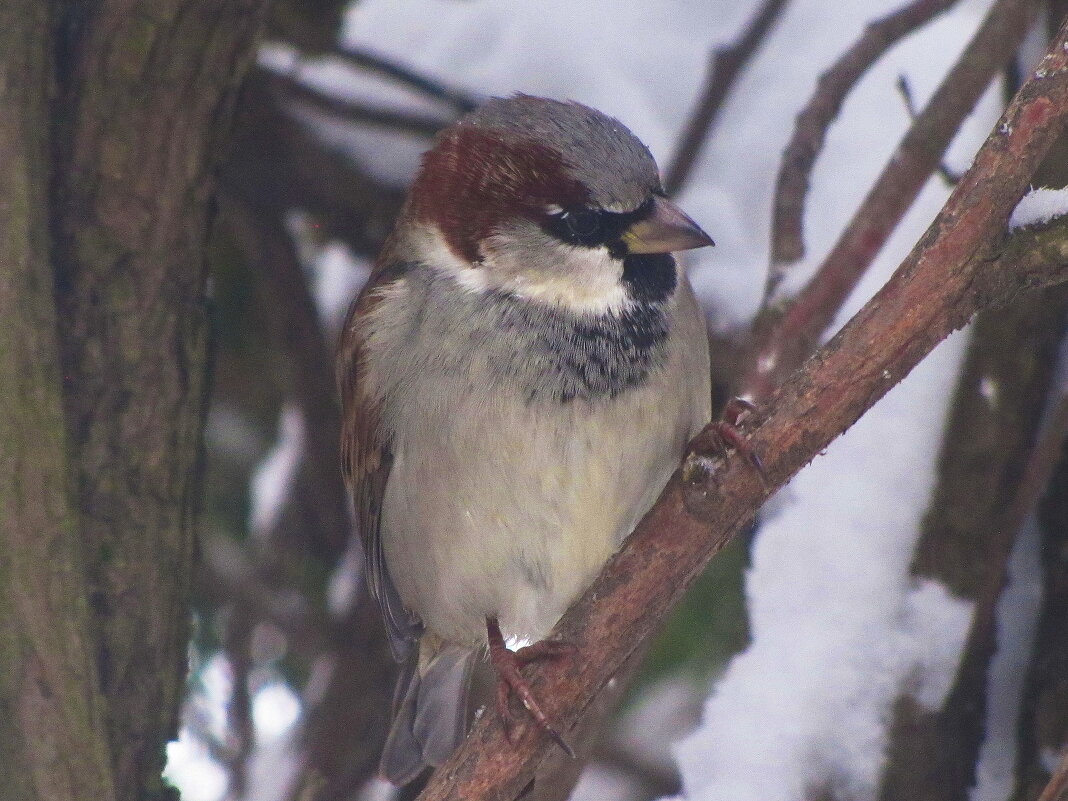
(665, 229)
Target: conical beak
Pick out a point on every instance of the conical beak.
(664, 230)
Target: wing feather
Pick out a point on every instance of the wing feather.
(366, 459)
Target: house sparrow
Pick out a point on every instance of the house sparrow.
(519, 379)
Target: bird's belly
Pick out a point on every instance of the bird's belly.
(515, 524)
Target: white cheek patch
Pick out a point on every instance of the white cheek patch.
(582, 280)
(587, 282)
(432, 250)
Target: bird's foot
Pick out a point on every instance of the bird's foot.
(510, 680)
(729, 432)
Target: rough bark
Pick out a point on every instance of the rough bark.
(114, 114)
(53, 744)
(144, 106)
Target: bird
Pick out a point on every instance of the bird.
(519, 378)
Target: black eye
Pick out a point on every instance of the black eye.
(579, 226)
(583, 223)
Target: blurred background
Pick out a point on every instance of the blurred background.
(799, 661)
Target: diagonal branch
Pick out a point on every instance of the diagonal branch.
(723, 70)
(784, 335)
(292, 88)
(961, 265)
(461, 101)
(810, 129)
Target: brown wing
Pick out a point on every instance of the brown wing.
(366, 459)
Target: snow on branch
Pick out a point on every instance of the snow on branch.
(1038, 207)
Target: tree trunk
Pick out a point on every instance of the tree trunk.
(114, 116)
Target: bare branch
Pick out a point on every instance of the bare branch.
(460, 100)
(784, 336)
(810, 129)
(241, 738)
(723, 70)
(904, 88)
(960, 266)
(290, 87)
(1057, 789)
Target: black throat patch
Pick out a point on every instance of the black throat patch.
(545, 352)
(586, 356)
(649, 277)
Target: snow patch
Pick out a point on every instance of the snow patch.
(838, 628)
(337, 275)
(936, 624)
(1038, 207)
(275, 474)
(1017, 615)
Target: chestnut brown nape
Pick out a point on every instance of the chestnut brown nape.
(515, 157)
(474, 179)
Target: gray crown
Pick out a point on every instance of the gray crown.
(599, 150)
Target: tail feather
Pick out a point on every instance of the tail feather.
(430, 713)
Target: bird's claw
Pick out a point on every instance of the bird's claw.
(510, 681)
(728, 432)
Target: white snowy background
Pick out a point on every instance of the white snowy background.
(838, 627)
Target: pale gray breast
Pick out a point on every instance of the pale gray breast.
(536, 447)
(530, 347)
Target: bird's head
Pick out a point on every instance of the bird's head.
(551, 201)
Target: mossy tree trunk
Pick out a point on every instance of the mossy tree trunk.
(114, 115)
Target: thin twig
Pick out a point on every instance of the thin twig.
(787, 332)
(292, 88)
(460, 100)
(241, 737)
(723, 70)
(904, 88)
(810, 129)
(952, 272)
